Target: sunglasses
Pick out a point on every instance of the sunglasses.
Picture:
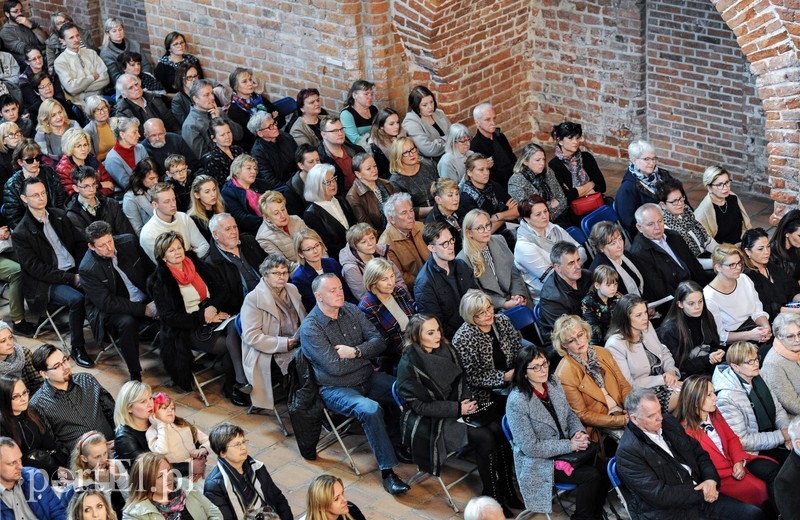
(31, 160)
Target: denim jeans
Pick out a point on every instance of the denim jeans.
(73, 299)
(364, 402)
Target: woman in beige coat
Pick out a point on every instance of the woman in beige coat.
(276, 234)
(271, 316)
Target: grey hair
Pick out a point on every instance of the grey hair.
(639, 215)
(271, 262)
(254, 125)
(479, 507)
(560, 249)
(471, 303)
(197, 84)
(782, 322)
(319, 279)
(456, 132)
(4, 325)
(638, 148)
(636, 396)
(315, 188)
(478, 110)
(213, 224)
(122, 124)
(122, 79)
(794, 433)
(389, 207)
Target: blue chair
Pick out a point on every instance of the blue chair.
(237, 324)
(599, 215)
(616, 483)
(577, 234)
(521, 316)
(397, 397)
(285, 106)
(506, 429)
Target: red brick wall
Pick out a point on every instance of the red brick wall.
(702, 104)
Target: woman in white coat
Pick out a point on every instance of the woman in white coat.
(271, 316)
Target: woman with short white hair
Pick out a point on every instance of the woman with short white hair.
(456, 150)
(328, 212)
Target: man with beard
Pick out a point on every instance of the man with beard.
(160, 144)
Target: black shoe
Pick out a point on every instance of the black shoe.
(24, 328)
(81, 357)
(394, 486)
(239, 399)
(404, 455)
(245, 388)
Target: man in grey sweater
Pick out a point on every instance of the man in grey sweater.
(339, 341)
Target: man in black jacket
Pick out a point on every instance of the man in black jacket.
(133, 101)
(663, 255)
(492, 143)
(667, 473)
(443, 280)
(88, 205)
(160, 144)
(786, 496)
(49, 248)
(273, 151)
(114, 275)
(562, 291)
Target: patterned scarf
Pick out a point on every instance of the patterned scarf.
(646, 183)
(173, 509)
(539, 182)
(243, 486)
(592, 366)
(575, 166)
(251, 106)
(687, 226)
(252, 197)
(189, 276)
(15, 362)
(480, 196)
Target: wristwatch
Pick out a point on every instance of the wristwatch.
(358, 352)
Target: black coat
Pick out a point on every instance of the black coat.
(276, 163)
(324, 157)
(330, 229)
(175, 145)
(236, 204)
(156, 108)
(558, 298)
(105, 292)
(663, 274)
(14, 208)
(602, 259)
(214, 490)
(434, 294)
(564, 177)
(786, 496)
(296, 202)
(177, 325)
(38, 259)
(305, 405)
(109, 211)
(658, 486)
(227, 273)
(503, 167)
(670, 336)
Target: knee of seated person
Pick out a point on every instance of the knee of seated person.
(368, 408)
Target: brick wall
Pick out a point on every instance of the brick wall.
(702, 104)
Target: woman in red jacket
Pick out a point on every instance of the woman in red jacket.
(743, 476)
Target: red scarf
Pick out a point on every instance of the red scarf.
(128, 154)
(189, 276)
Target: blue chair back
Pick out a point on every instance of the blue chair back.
(507, 429)
(563, 488)
(521, 316)
(537, 314)
(237, 324)
(577, 234)
(285, 106)
(611, 468)
(397, 397)
(599, 215)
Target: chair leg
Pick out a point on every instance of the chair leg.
(50, 320)
(281, 424)
(447, 494)
(200, 390)
(341, 442)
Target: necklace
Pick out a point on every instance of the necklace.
(723, 207)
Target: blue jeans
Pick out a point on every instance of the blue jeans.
(364, 402)
(73, 299)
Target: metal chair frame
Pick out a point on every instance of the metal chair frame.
(50, 320)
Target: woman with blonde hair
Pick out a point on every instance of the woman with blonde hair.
(132, 410)
(362, 246)
(721, 212)
(277, 230)
(94, 469)
(492, 262)
(412, 174)
(156, 494)
(325, 501)
(114, 44)
(98, 110)
(10, 137)
(532, 176)
(310, 251)
(733, 300)
(205, 203)
(240, 199)
(77, 148)
(52, 123)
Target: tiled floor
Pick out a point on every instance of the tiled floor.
(291, 472)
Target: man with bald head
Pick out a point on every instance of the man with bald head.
(160, 144)
(492, 143)
(664, 255)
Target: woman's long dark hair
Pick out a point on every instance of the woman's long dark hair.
(676, 314)
(620, 316)
(414, 327)
(8, 426)
(788, 224)
(693, 394)
(520, 380)
(140, 171)
(749, 239)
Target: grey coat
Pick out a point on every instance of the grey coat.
(137, 208)
(302, 133)
(506, 280)
(427, 140)
(783, 379)
(536, 442)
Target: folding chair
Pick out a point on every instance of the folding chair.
(197, 357)
(335, 435)
(577, 234)
(50, 321)
(421, 475)
(285, 106)
(560, 489)
(237, 324)
(616, 483)
(601, 214)
(521, 316)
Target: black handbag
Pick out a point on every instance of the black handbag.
(580, 458)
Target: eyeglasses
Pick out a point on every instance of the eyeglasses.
(721, 184)
(177, 43)
(19, 397)
(316, 247)
(483, 228)
(330, 181)
(269, 127)
(31, 160)
(101, 108)
(410, 153)
(484, 313)
(580, 336)
(61, 364)
(679, 200)
(752, 362)
(448, 243)
(240, 444)
(466, 139)
(791, 337)
(734, 265)
(278, 273)
(333, 131)
(192, 78)
(15, 134)
(648, 159)
(179, 171)
(39, 195)
(92, 186)
(539, 368)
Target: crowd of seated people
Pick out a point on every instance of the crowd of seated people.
(376, 248)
